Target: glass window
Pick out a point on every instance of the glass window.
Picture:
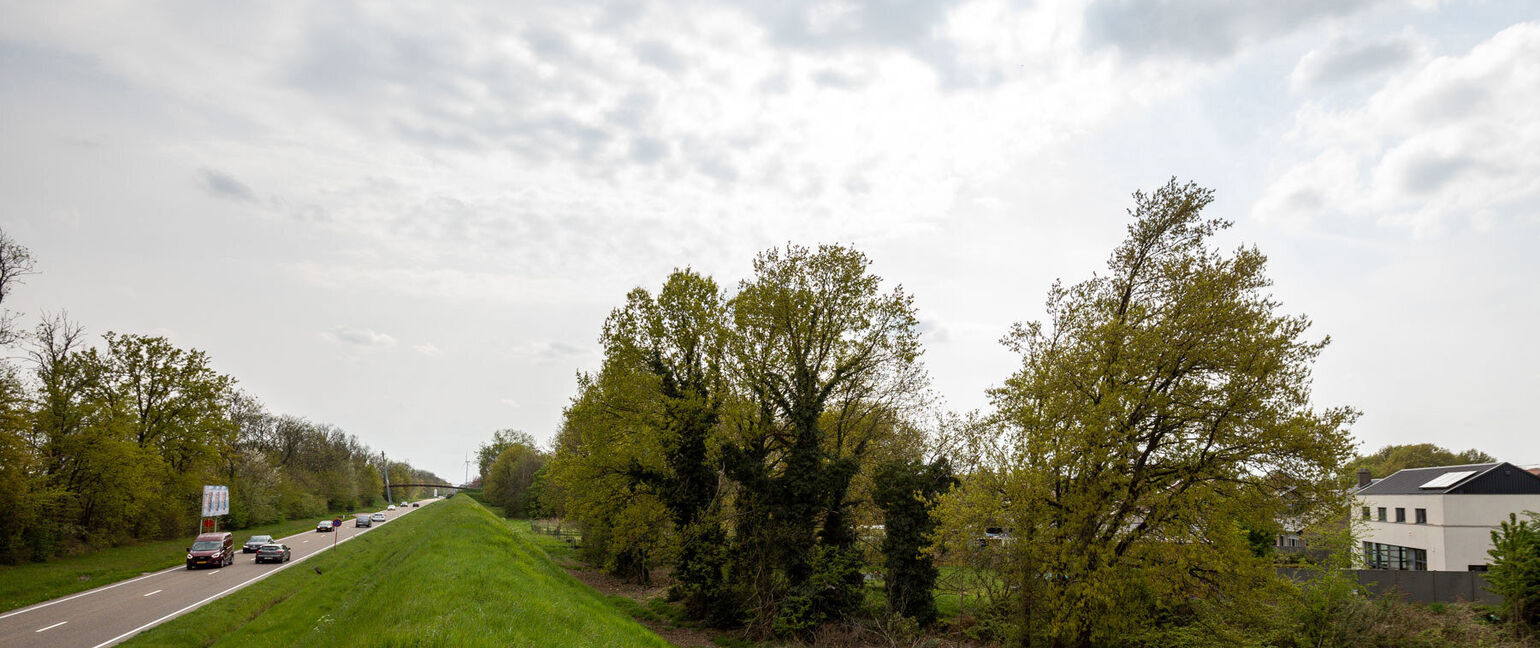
(1366, 512)
(1422, 516)
(1382, 513)
(1400, 514)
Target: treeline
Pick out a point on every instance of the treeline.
(774, 444)
(105, 444)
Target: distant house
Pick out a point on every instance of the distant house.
(1440, 519)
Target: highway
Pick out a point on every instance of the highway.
(113, 613)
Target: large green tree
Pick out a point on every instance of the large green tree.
(1156, 415)
(823, 357)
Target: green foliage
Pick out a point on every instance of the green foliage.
(510, 478)
(1515, 569)
(1389, 459)
(906, 491)
(502, 440)
(111, 444)
(1163, 409)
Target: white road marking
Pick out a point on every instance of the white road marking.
(90, 591)
(51, 627)
(154, 592)
(194, 606)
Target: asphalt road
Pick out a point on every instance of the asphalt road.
(112, 613)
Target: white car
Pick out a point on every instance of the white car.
(377, 517)
(392, 507)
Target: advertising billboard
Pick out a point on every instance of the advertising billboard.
(216, 500)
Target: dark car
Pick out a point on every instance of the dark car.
(211, 550)
(274, 553)
(256, 541)
(324, 527)
(415, 505)
(362, 521)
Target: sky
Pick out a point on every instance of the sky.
(411, 219)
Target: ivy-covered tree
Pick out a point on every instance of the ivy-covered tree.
(822, 356)
(906, 491)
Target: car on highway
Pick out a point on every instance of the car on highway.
(255, 542)
(273, 552)
(415, 505)
(392, 507)
(403, 505)
(324, 527)
(378, 517)
(363, 521)
(211, 550)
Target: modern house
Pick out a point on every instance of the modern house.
(1440, 519)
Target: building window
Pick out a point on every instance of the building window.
(1384, 556)
(1382, 513)
(1366, 512)
(1422, 516)
(1400, 514)
(1476, 568)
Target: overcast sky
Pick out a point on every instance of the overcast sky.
(410, 219)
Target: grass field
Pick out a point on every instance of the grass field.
(452, 574)
(23, 585)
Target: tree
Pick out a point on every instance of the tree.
(1515, 570)
(15, 262)
(510, 477)
(677, 338)
(906, 491)
(823, 357)
(1392, 458)
(1150, 422)
(501, 440)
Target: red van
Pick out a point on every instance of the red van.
(212, 549)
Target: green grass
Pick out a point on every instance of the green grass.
(23, 585)
(452, 574)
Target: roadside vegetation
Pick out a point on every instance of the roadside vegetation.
(110, 444)
(452, 574)
(25, 584)
(774, 455)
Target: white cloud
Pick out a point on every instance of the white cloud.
(1347, 60)
(509, 402)
(360, 337)
(427, 349)
(1450, 142)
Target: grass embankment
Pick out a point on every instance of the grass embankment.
(451, 574)
(23, 585)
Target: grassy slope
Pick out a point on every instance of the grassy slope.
(451, 574)
(23, 585)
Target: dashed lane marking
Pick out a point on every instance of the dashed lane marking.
(154, 592)
(51, 627)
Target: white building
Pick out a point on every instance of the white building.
(1440, 519)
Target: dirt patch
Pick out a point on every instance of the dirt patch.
(611, 586)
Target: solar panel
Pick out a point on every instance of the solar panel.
(1447, 479)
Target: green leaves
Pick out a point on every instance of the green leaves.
(1515, 569)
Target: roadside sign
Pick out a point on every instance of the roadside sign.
(336, 523)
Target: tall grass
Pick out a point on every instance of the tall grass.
(452, 574)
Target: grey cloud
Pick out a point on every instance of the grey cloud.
(1428, 174)
(660, 55)
(647, 150)
(361, 337)
(1346, 62)
(1202, 29)
(838, 80)
(225, 185)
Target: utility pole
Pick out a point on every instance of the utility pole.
(386, 464)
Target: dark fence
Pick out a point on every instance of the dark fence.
(1418, 586)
